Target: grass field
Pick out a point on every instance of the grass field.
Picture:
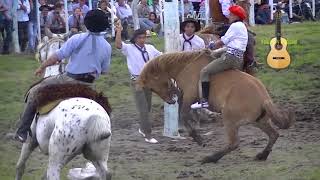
(298, 86)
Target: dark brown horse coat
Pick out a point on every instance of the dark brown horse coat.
(241, 98)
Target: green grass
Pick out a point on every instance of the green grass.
(295, 84)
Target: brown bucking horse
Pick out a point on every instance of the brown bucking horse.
(241, 98)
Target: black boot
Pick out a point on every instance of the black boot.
(25, 122)
(205, 86)
(205, 90)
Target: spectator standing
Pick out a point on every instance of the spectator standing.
(138, 54)
(44, 17)
(56, 21)
(83, 6)
(124, 13)
(76, 21)
(32, 26)
(143, 15)
(6, 21)
(263, 14)
(23, 21)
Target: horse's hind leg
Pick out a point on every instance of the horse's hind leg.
(265, 126)
(98, 152)
(233, 143)
(26, 150)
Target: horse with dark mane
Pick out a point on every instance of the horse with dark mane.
(241, 98)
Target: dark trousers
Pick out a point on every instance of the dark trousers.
(143, 104)
(23, 35)
(8, 28)
(196, 6)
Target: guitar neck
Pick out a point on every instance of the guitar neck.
(278, 26)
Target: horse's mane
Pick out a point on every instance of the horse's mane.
(173, 60)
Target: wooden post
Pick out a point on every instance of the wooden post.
(251, 13)
(38, 21)
(207, 11)
(66, 15)
(290, 8)
(271, 9)
(90, 4)
(161, 15)
(182, 10)
(112, 17)
(15, 35)
(314, 8)
(172, 44)
(134, 6)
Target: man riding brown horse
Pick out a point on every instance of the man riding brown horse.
(219, 13)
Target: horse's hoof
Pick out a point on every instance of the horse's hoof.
(261, 157)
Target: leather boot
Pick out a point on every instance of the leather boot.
(25, 122)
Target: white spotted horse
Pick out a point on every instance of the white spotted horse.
(74, 126)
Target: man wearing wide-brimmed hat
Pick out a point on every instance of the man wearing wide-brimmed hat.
(235, 40)
(138, 53)
(89, 56)
(189, 40)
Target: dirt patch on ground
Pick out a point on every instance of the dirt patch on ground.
(296, 151)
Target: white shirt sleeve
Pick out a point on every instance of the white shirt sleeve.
(225, 4)
(125, 48)
(155, 52)
(230, 34)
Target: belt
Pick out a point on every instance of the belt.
(134, 77)
(86, 77)
(235, 52)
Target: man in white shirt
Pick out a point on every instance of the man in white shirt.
(138, 54)
(23, 21)
(235, 40)
(189, 40)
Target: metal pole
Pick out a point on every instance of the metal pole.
(271, 9)
(172, 44)
(314, 8)
(135, 14)
(290, 8)
(90, 4)
(251, 15)
(207, 11)
(112, 18)
(15, 35)
(38, 21)
(66, 15)
(182, 10)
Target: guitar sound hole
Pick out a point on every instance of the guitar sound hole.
(278, 46)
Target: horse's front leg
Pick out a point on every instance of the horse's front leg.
(186, 117)
(26, 150)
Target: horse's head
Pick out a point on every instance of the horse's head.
(154, 78)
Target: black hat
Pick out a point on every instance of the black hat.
(136, 34)
(41, 8)
(190, 20)
(96, 21)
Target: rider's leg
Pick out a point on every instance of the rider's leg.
(221, 64)
(31, 107)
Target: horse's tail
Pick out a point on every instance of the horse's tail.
(282, 119)
(98, 128)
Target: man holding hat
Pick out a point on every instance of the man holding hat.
(90, 56)
(189, 40)
(235, 40)
(138, 53)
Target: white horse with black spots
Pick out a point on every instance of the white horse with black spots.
(75, 126)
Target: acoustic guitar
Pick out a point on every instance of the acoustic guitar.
(278, 57)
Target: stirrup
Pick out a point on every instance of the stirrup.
(200, 105)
